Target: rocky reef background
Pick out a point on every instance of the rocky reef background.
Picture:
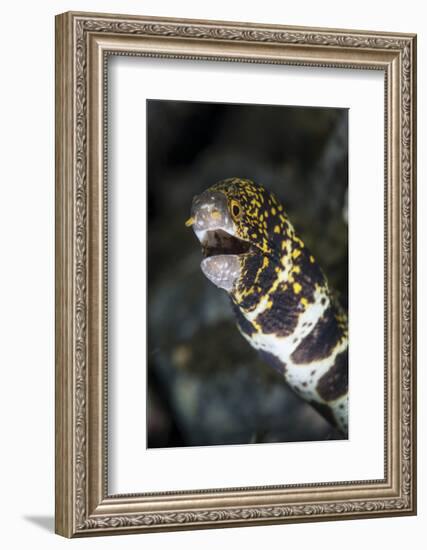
(206, 385)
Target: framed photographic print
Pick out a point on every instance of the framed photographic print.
(235, 274)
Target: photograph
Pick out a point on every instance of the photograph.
(247, 259)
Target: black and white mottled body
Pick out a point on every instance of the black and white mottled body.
(280, 296)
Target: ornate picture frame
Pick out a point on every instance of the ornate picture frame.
(84, 42)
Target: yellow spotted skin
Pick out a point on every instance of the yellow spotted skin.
(283, 304)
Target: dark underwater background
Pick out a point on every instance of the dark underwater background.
(206, 385)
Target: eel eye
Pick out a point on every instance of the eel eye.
(236, 210)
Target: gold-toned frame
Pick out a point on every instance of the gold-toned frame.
(83, 43)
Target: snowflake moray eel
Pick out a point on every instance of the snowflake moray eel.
(281, 298)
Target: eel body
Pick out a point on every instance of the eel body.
(281, 299)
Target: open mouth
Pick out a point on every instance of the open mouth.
(218, 242)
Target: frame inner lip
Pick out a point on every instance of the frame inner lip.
(219, 242)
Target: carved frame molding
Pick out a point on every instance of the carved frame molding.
(83, 43)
